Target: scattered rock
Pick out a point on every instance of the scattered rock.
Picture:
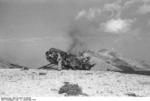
(53, 89)
(88, 73)
(71, 90)
(132, 94)
(25, 68)
(42, 73)
(144, 83)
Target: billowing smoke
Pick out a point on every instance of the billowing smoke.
(93, 23)
(82, 28)
(77, 34)
(78, 43)
(80, 32)
(85, 26)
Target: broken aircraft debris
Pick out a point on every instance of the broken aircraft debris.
(60, 60)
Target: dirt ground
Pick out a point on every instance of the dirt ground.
(44, 83)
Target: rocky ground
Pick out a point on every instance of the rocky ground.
(44, 83)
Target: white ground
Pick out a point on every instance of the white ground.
(16, 82)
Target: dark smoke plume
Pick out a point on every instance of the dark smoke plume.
(78, 43)
(80, 31)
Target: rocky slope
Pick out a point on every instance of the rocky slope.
(106, 59)
(8, 65)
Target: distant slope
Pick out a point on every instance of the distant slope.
(115, 62)
(8, 65)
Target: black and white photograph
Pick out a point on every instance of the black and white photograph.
(74, 48)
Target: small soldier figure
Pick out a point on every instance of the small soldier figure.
(59, 59)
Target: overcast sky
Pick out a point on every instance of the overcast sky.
(28, 28)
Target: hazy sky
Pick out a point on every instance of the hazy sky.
(28, 28)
